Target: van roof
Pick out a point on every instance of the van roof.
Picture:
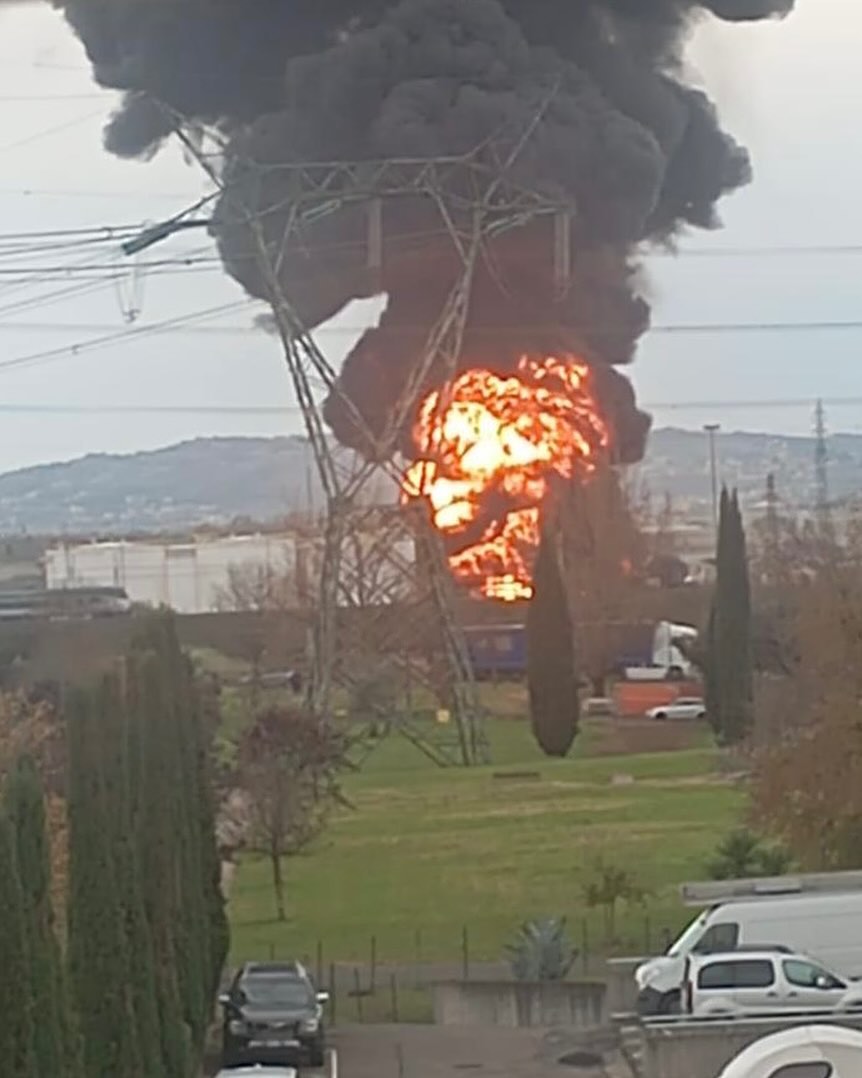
(719, 892)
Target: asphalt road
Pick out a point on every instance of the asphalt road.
(377, 1051)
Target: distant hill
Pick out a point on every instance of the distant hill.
(678, 461)
(218, 480)
(209, 480)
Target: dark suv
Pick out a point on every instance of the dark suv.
(272, 1014)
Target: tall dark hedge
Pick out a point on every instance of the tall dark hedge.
(143, 861)
(551, 675)
(17, 1054)
(729, 679)
(26, 812)
(98, 948)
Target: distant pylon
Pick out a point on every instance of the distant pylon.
(773, 527)
(821, 471)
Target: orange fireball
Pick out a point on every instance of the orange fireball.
(487, 447)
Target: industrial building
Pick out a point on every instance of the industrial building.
(203, 575)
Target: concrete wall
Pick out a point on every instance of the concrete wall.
(703, 1049)
(622, 995)
(514, 1005)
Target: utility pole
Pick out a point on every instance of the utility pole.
(712, 430)
(773, 529)
(821, 473)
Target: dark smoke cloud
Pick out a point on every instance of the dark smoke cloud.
(634, 152)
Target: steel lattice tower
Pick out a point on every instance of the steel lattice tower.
(475, 202)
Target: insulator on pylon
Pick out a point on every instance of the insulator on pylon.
(375, 235)
(562, 252)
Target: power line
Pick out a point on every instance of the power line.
(52, 233)
(121, 335)
(175, 323)
(788, 402)
(48, 132)
(94, 267)
(97, 327)
(759, 251)
(52, 192)
(276, 410)
(20, 98)
(149, 409)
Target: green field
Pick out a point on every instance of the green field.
(426, 854)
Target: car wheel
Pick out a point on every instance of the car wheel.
(317, 1056)
(670, 1003)
(661, 716)
(701, 714)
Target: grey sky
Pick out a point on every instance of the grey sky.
(791, 91)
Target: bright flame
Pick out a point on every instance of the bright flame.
(487, 447)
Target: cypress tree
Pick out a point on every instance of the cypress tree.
(156, 828)
(147, 930)
(98, 955)
(729, 679)
(551, 676)
(26, 812)
(138, 984)
(199, 925)
(16, 994)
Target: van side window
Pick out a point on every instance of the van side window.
(716, 975)
(754, 974)
(718, 938)
(804, 1070)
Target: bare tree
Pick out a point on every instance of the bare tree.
(265, 593)
(808, 778)
(253, 586)
(289, 766)
(602, 553)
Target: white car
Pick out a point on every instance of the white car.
(686, 707)
(761, 982)
(804, 1052)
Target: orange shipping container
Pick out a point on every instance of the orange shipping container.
(634, 698)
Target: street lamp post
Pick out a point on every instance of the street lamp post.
(711, 430)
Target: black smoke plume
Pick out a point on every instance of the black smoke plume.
(614, 133)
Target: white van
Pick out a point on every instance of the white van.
(820, 916)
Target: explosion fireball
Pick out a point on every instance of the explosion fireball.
(489, 448)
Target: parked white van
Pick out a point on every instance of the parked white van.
(817, 915)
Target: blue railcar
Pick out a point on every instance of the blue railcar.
(497, 651)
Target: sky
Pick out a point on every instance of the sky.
(790, 91)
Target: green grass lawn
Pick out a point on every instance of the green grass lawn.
(426, 853)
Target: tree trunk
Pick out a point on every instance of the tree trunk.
(278, 885)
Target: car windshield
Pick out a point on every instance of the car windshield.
(276, 992)
(687, 701)
(685, 943)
